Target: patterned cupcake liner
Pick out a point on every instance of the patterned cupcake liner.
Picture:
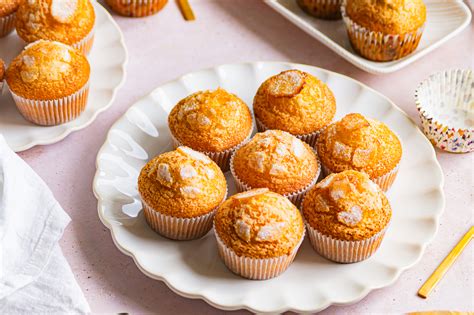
(255, 268)
(179, 228)
(378, 46)
(53, 112)
(295, 197)
(221, 158)
(85, 44)
(449, 94)
(7, 24)
(309, 138)
(323, 9)
(136, 8)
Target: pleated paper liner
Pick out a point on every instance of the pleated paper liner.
(295, 197)
(179, 228)
(53, 112)
(310, 138)
(255, 268)
(7, 24)
(323, 9)
(85, 44)
(136, 8)
(378, 46)
(448, 94)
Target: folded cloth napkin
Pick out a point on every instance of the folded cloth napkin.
(35, 278)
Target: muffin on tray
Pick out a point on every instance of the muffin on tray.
(323, 9)
(8, 10)
(136, 8)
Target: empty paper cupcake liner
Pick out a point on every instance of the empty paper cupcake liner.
(323, 9)
(445, 103)
(295, 197)
(255, 268)
(378, 46)
(179, 228)
(53, 112)
(7, 24)
(309, 138)
(136, 8)
(85, 44)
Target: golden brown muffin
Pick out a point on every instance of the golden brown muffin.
(47, 70)
(276, 160)
(347, 206)
(294, 101)
(259, 224)
(68, 22)
(8, 7)
(2, 71)
(7, 16)
(323, 9)
(359, 143)
(182, 183)
(136, 8)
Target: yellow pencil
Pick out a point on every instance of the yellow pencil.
(186, 10)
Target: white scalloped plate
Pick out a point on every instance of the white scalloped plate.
(108, 59)
(193, 269)
(445, 19)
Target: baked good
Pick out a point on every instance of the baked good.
(2, 75)
(212, 122)
(70, 22)
(359, 143)
(346, 215)
(136, 8)
(49, 82)
(295, 102)
(258, 233)
(7, 16)
(384, 30)
(180, 192)
(323, 9)
(276, 160)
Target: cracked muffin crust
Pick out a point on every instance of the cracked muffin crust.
(8, 7)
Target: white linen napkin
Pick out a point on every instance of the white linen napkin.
(35, 278)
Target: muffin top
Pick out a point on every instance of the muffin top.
(7, 7)
(259, 224)
(210, 121)
(276, 160)
(182, 183)
(361, 144)
(347, 206)
(387, 16)
(294, 101)
(59, 20)
(47, 70)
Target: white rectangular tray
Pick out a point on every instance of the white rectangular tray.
(445, 19)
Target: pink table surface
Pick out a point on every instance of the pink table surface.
(164, 47)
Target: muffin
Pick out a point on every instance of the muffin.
(346, 215)
(180, 192)
(212, 122)
(361, 144)
(136, 8)
(49, 82)
(276, 160)
(8, 10)
(384, 30)
(323, 9)
(295, 102)
(70, 22)
(258, 233)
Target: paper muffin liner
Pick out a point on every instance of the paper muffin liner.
(309, 138)
(7, 24)
(85, 44)
(137, 8)
(378, 46)
(221, 158)
(179, 228)
(295, 197)
(450, 92)
(53, 112)
(323, 9)
(255, 268)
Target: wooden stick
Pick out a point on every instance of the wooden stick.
(186, 10)
(439, 272)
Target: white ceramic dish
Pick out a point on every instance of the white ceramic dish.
(445, 19)
(193, 269)
(108, 59)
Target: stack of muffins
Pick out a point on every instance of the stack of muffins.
(49, 80)
(378, 30)
(260, 229)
